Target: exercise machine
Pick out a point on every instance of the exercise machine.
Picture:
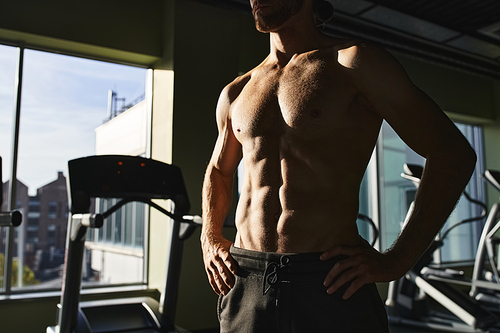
(485, 284)
(130, 179)
(452, 308)
(8, 218)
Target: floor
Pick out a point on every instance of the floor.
(407, 329)
(393, 329)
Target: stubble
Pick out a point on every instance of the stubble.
(279, 12)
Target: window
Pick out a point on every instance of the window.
(68, 108)
(125, 228)
(368, 220)
(51, 235)
(52, 210)
(8, 63)
(396, 194)
(461, 243)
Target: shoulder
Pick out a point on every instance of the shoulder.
(372, 67)
(229, 94)
(357, 54)
(233, 89)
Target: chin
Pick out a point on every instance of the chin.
(266, 28)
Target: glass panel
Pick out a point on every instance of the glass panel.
(396, 195)
(113, 256)
(64, 103)
(140, 212)
(365, 227)
(129, 227)
(8, 72)
(461, 243)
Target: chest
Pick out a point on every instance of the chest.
(303, 98)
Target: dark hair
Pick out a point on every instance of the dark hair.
(323, 11)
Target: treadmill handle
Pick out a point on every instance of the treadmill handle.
(192, 219)
(11, 219)
(89, 220)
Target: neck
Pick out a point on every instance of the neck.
(297, 35)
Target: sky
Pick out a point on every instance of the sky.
(64, 99)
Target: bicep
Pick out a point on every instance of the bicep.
(415, 117)
(419, 121)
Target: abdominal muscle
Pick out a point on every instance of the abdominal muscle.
(298, 216)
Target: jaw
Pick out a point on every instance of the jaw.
(272, 17)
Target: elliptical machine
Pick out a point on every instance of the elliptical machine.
(485, 284)
(452, 310)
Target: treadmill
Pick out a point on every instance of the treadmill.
(130, 179)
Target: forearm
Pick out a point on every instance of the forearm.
(219, 265)
(216, 200)
(444, 179)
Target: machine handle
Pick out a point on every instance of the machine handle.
(192, 219)
(89, 220)
(11, 219)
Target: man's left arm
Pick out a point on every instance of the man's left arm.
(450, 161)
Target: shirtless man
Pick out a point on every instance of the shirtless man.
(305, 122)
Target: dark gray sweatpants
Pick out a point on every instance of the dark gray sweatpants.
(276, 292)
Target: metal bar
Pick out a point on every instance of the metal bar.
(13, 179)
(444, 300)
(72, 279)
(479, 268)
(189, 219)
(168, 299)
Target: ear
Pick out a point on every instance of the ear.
(323, 11)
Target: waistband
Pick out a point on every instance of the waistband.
(277, 268)
(257, 262)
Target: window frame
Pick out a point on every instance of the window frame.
(7, 289)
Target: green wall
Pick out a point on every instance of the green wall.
(119, 30)
(458, 93)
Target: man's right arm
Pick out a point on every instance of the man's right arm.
(217, 193)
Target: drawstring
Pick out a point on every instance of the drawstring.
(271, 274)
(270, 277)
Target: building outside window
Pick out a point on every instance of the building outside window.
(119, 244)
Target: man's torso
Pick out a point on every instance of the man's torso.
(307, 134)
